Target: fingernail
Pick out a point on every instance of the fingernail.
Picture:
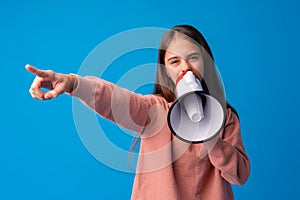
(47, 96)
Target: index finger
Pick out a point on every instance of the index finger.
(36, 71)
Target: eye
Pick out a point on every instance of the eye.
(174, 61)
(193, 57)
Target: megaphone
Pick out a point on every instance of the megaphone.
(195, 116)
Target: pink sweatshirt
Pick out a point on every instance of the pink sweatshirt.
(168, 168)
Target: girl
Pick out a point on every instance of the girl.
(167, 168)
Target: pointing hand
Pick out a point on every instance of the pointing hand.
(56, 83)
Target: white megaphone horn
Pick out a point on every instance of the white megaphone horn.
(195, 116)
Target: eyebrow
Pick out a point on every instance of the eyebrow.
(173, 57)
(194, 53)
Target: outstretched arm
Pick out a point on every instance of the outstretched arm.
(57, 83)
(128, 109)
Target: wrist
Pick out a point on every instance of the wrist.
(73, 82)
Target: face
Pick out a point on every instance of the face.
(183, 55)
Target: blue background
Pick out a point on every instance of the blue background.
(256, 47)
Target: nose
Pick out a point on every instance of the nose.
(185, 66)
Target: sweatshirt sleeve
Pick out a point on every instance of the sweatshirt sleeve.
(130, 110)
(228, 154)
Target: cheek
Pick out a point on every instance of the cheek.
(198, 69)
(201, 71)
(172, 73)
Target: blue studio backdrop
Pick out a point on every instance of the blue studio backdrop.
(256, 48)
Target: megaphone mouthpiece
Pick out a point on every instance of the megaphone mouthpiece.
(187, 82)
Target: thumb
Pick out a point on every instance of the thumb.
(59, 89)
(37, 72)
(51, 94)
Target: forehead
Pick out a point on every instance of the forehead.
(182, 46)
